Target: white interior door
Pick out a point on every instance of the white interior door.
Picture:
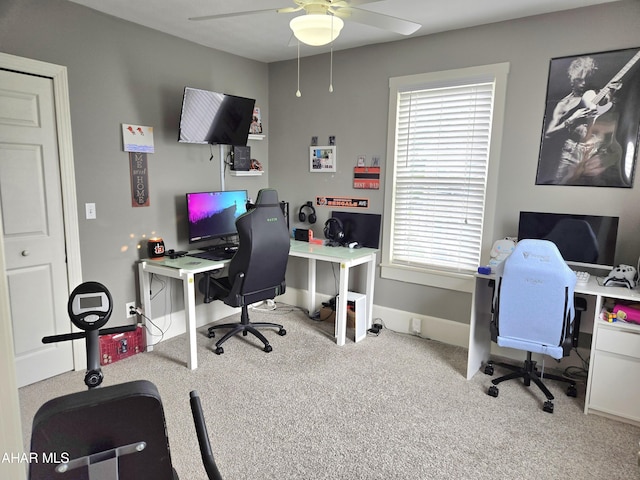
(33, 226)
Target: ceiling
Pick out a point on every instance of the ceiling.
(266, 36)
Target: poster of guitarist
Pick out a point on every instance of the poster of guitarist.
(592, 117)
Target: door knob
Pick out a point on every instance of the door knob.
(25, 253)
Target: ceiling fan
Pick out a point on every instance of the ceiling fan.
(323, 19)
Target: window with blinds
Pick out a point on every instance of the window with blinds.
(442, 134)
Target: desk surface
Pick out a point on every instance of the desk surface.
(306, 249)
(186, 263)
(595, 287)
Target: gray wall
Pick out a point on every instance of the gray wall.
(357, 114)
(120, 73)
(123, 73)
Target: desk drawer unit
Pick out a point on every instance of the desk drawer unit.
(615, 382)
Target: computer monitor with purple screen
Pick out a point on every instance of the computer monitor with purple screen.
(212, 215)
(583, 240)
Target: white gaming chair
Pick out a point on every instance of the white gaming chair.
(533, 310)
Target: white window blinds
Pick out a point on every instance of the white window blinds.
(441, 157)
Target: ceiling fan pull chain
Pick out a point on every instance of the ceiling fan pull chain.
(298, 94)
(331, 61)
(331, 71)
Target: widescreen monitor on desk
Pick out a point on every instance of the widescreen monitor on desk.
(583, 240)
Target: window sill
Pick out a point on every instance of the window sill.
(461, 282)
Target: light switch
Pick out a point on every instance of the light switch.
(90, 209)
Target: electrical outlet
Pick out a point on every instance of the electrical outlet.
(416, 326)
(130, 305)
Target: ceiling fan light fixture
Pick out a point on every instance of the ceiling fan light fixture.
(316, 29)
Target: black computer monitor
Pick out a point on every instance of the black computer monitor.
(213, 215)
(363, 228)
(583, 240)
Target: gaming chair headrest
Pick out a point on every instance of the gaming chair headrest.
(267, 196)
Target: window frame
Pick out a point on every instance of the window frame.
(452, 280)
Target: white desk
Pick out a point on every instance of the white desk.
(185, 269)
(347, 258)
(613, 384)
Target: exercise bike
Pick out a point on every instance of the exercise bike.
(106, 433)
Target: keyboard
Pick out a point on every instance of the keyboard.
(214, 255)
(582, 278)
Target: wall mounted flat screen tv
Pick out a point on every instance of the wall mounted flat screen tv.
(213, 214)
(588, 240)
(214, 118)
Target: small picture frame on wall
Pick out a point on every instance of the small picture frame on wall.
(322, 159)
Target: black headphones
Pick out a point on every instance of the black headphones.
(333, 230)
(312, 216)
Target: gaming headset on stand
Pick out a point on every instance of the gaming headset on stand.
(334, 232)
(311, 217)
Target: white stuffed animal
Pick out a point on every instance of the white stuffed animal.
(501, 249)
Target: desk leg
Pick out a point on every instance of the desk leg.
(479, 333)
(341, 320)
(145, 294)
(188, 286)
(311, 285)
(371, 276)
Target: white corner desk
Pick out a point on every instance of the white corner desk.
(347, 258)
(186, 268)
(613, 383)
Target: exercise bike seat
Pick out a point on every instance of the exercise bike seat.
(108, 433)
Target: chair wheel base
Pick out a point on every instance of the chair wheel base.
(211, 334)
(282, 332)
(219, 351)
(548, 406)
(268, 348)
(493, 391)
(488, 368)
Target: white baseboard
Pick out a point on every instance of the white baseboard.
(446, 331)
(173, 324)
(434, 328)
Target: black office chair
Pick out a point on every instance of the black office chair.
(534, 311)
(256, 271)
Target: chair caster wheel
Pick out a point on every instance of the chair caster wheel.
(548, 406)
(244, 333)
(493, 391)
(219, 351)
(211, 334)
(488, 368)
(572, 391)
(282, 332)
(268, 348)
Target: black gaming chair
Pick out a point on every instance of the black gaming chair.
(256, 271)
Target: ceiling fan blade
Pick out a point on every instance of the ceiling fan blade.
(232, 14)
(379, 20)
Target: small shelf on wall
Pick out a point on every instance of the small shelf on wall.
(256, 136)
(246, 173)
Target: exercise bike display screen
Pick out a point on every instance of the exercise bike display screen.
(90, 306)
(90, 302)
